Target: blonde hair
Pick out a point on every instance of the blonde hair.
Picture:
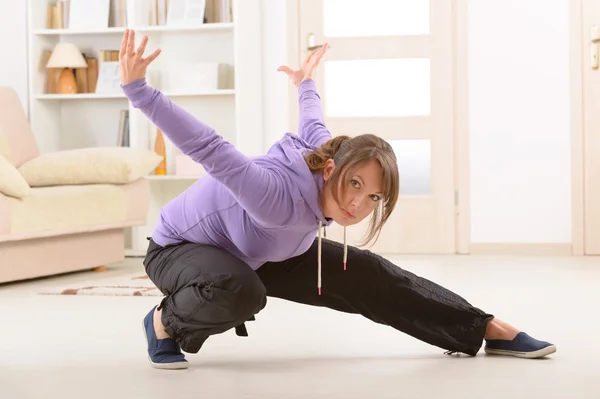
(348, 154)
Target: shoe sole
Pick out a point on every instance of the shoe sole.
(526, 355)
(163, 366)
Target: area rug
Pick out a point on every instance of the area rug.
(137, 284)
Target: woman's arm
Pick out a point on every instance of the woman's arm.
(311, 127)
(262, 192)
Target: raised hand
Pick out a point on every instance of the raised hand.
(309, 67)
(133, 64)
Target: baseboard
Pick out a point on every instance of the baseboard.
(135, 253)
(536, 249)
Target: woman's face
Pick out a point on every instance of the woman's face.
(358, 198)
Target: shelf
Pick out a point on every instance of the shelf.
(57, 32)
(172, 177)
(140, 29)
(97, 96)
(204, 27)
(200, 93)
(135, 253)
(81, 96)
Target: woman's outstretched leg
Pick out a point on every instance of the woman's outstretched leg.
(504, 339)
(497, 329)
(384, 293)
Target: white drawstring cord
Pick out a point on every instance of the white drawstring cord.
(319, 254)
(345, 249)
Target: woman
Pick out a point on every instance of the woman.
(247, 231)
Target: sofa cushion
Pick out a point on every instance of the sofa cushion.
(12, 182)
(63, 209)
(98, 165)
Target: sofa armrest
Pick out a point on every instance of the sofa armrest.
(98, 165)
(4, 216)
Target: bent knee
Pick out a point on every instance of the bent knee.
(250, 293)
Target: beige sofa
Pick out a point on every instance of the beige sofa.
(67, 210)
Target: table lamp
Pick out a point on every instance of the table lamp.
(66, 56)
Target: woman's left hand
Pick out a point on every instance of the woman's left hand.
(309, 66)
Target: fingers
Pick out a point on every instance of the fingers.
(124, 44)
(286, 69)
(130, 42)
(319, 54)
(151, 57)
(127, 47)
(142, 46)
(309, 57)
(322, 51)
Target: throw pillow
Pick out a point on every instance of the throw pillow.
(12, 182)
(98, 165)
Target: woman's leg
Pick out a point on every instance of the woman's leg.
(497, 329)
(384, 293)
(207, 291)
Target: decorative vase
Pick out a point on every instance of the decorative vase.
(159, 148)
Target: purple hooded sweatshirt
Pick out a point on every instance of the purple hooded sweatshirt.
(260, 209)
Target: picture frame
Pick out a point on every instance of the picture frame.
(109, 78)
(186, 12)
(89, 14)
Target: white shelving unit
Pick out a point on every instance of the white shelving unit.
(62, 122)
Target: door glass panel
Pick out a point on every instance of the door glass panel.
(385, 87)
(375, 17)
(414, 165)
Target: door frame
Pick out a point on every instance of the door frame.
(462, 219)
(462, 151)
(576, 41)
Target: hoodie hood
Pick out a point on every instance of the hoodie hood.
(290, 152)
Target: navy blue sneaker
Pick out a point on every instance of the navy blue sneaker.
(521, 346)
(162, 353)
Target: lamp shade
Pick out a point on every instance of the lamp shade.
(66, 55)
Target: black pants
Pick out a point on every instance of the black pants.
(209, 291)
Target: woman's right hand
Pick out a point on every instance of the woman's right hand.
(309, 66)
(133, 65)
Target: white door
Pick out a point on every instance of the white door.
(591, 125)
(389, 71)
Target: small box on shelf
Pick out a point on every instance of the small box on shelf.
(198, 77)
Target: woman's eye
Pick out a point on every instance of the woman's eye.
(375, 198)
(355, 183)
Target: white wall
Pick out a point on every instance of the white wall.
(13, 42)
(519, 115)
(519, 121)
(275, 84)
